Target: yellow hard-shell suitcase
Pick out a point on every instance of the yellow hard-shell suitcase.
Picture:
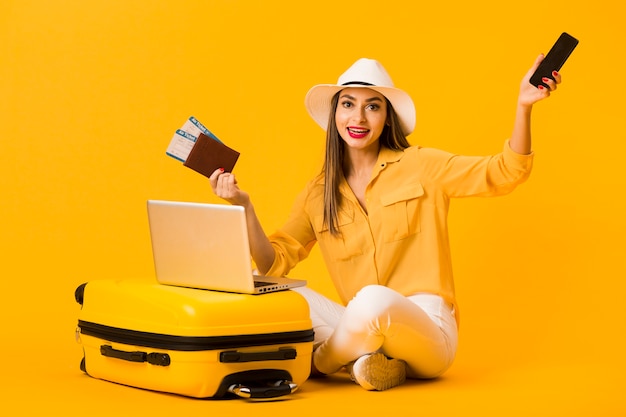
(197, 343)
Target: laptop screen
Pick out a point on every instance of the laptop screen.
(200, 245)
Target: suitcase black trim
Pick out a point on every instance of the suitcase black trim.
(190, 343)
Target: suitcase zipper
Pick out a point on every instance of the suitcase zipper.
(190, 343)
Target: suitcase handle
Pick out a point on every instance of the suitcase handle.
(282, 354)
(153, 358)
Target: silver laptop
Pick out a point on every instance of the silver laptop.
(206, 246)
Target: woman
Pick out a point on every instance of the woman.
(378, 210)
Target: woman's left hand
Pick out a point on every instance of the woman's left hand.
(529, 94)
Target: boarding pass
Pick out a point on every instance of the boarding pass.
(184, 138)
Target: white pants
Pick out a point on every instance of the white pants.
(419, 329)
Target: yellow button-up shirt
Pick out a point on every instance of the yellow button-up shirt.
(402, 240)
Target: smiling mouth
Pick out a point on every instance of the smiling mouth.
(357, 133)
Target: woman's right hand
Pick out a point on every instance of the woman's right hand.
(224, 185)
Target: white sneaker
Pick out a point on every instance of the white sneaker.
(377, 372)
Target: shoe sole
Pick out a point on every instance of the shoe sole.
(376, 372)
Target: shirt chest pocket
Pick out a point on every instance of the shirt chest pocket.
(401, 211)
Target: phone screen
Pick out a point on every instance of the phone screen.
(555, 58)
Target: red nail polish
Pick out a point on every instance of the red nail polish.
(222, 169)
(554, 73)
(545, 79)
(541, 87)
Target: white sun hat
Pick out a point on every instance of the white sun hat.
(364, 73)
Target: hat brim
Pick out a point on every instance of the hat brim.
(318, 102)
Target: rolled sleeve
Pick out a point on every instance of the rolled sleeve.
(289, 252)
(480, 176)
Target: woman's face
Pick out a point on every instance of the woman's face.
(360, 117)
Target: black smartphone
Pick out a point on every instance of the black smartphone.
(555, 59)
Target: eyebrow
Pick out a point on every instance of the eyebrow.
(375, 98)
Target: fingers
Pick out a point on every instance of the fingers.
(213, 179)
(224, 184)
(538, 61)
(534, 67)
(550, 82)
(216, 174)
(553, 82)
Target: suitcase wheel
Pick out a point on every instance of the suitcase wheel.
(257, 384)
(277, 389)
(79, 294)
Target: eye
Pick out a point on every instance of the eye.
(347, 104)
(373, 107)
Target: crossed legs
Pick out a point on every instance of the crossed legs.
(419, 329)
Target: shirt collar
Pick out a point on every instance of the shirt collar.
(385, 157)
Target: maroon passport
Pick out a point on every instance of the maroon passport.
(207, 155)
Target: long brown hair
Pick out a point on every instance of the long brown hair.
(391, 137)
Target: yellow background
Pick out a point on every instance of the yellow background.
(92, 91)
